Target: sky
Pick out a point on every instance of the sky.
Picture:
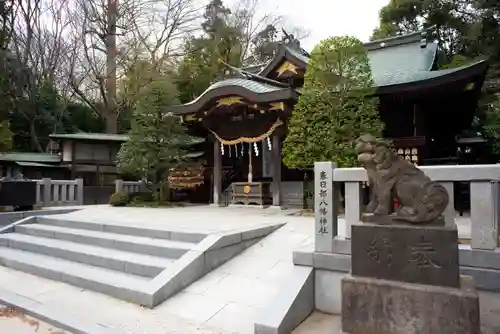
(325, 18)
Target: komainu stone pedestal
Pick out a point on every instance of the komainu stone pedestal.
(407, 253)
(375, 306)
(405, 280)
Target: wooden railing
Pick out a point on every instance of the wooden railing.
(59, 192)
(484, 200)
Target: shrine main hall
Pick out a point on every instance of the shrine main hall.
(244, 118)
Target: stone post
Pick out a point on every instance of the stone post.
(38, 193)
(352, 206)
(47, 194)
(483, 217)
(449, 213)
(118, 186)
(79, 191)
(325, 213)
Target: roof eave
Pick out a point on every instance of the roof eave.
(274, 96)
(478, 69)
(66, 137)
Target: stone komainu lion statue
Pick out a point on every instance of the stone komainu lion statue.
(421, 200)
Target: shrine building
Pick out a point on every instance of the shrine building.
(244, 116)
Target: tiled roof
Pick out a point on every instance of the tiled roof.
(90, 136)
(30, 157)
(297, 54)
(254, 86)
(399, 64)
(409, 75)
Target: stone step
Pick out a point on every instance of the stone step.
(113, 283)
(132, 263)
(128, 243)
(122, 229)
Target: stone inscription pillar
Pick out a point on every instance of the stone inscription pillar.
(326, 225)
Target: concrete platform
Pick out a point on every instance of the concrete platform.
(144, 262)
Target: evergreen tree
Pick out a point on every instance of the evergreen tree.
(157, 140)
(335, 106)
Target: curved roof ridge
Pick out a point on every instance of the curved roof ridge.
(418, 36)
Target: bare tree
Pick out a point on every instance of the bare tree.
(247, 19)
(38, 47)
(160, 32)
(256, 25)
(98, 28)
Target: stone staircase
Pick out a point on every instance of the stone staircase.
(108, 258)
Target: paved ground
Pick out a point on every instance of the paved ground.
(320, 323)
(206, 219)
(228, 300)
(16, 322)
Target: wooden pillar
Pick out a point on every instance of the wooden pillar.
(217, 173)
(276, 169)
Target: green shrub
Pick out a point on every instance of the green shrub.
(119, 199)
(140, 196)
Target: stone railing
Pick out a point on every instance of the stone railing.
(127, 187)
(59, 192)
(484, 199)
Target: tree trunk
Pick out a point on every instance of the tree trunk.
(111, 112)
(111, 119)
(34, 138)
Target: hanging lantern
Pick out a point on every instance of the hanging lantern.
(256, 149)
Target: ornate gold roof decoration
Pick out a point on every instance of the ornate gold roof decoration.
(227, 101)
(277, 106)
(188, 118)
(469, 86)
(287, 67)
